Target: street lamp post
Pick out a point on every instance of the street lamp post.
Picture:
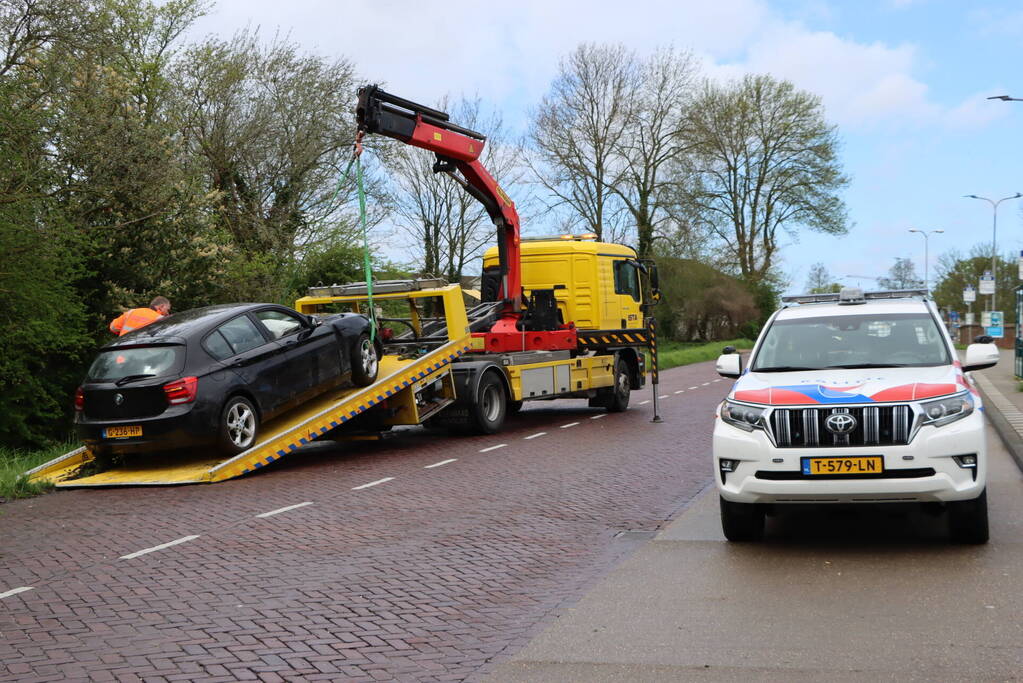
(994, 238)
(927, 257)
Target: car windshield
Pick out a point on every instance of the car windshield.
(852, 341)
(141, 361)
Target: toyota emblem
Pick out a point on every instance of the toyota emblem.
(118, 399)
(840, 423)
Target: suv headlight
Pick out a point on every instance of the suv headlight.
(946, 410)
(743, 416)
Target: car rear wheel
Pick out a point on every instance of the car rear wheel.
(742, 521)
(239, 425)
(967, 520)
(365, 363)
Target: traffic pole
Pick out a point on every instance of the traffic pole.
(651, 327)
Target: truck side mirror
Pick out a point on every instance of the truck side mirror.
(981, 355)
(729, 365)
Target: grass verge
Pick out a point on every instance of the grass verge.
(673, 354)
(15, 462)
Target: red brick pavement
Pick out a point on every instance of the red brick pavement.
(430, 577)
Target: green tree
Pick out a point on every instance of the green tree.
(764, 162)
(955, 270)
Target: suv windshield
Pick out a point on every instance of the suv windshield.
(851, 341)
(141, 361)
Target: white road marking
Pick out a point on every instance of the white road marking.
(438, 464)
(691, 388)
(706, 383)
(570, 424)
(663, 396)
(718, 379)
(138, 553)
(284, 509)
(643, 403)
(597, 417)
(493, 448)
(533, 436)
(681, 391)
(15, 591)
(372, 483)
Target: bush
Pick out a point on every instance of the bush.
(700, 303)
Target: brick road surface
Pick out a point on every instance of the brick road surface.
(432, 576)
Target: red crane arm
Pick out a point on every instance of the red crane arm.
(457, 148)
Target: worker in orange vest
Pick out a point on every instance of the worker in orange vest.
(140, 317)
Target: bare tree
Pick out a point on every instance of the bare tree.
(448, 226)
(902, 275)
(575, 132)
(820, 281)
(764, 160)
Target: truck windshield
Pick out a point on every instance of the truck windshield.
(852, 341)
(149, 361)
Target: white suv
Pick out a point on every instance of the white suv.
(853, 398)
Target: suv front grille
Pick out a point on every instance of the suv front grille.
(889, 425)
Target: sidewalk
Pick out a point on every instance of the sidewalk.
(1003, 403)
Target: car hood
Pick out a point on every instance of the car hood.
(873, 385)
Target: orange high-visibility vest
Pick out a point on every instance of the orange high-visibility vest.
(133, 319)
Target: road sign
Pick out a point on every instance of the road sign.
(1019, 263)
(985, 319)
(987, 283)
(995, 327)
(969, 318)
(953, 316)
(969, 294)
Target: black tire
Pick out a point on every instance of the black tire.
(742, 521)
(365, 361)
(967, 520)
(488, 410)
(239, 425)
(616, 399)
(513, 407)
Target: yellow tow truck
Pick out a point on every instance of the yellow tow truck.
(562, 317)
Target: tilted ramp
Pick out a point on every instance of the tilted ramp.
(282, 436)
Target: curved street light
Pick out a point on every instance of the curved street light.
(927, 260)
(994, 235)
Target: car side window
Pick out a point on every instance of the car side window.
(627, 279)
(242, 334)
(279, 323)
(217, 346)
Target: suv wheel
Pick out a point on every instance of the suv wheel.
(742, 521)
(967, 520)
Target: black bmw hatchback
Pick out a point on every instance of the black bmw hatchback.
(210, 376)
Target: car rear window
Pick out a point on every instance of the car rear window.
(155, 361)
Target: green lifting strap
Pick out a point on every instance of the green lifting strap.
(367, 266)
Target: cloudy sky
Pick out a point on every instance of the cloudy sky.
(904, 80)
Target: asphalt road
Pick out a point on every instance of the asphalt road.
(426, 557)
(829, 596)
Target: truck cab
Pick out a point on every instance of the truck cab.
(597, 285)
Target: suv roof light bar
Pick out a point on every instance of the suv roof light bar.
(852, 295)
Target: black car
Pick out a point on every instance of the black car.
(211, 376)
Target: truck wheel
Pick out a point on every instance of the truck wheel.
(742, 521)
(617, 400)
(365, 363)
(239, 425)
(488, 411)
(967, 520)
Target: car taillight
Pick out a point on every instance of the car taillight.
(79, 399)
(182, 390)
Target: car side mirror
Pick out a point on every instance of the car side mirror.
(981, 355)
(314, 320)
(729, 365)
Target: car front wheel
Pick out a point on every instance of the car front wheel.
(365, 362)
(967, 520)
(239, 425)
(742, 521)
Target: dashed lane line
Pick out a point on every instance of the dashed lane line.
(493, 448)
(595, 417)
(438, 464)
(284, 509)
(706, 383)
(663, 396)
(372, 483)
(691, 388)
(15, 591)
(570, 424)
(643, 403)
(718, 379)
(138, 553)
(533, 436)
(681, 391)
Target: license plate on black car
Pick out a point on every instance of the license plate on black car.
(125, 432)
